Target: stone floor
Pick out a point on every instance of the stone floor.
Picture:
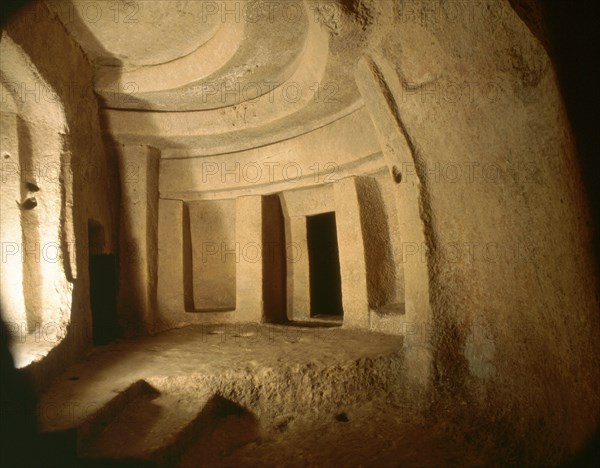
(249, 395)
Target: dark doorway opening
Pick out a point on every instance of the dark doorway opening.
(324, 261)
(103, 287)
(274, 260)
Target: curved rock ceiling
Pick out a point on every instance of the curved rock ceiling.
(134, 34)
(224, 74)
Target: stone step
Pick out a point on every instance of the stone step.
(71, 428)
(96, 424)
(158, 429)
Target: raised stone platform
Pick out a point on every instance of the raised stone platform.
(156, 398)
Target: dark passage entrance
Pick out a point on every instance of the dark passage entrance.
(273, 258)
(324, 260)
(103, 287)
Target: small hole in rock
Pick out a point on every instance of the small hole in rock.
(29, 203)
(342, 417)
(74, 377)
(396, 174)
(32, 187)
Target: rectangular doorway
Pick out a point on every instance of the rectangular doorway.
(103, 286)
(103, 295)
(324, 264)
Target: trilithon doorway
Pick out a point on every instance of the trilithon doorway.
(324, 261)
(103, 286)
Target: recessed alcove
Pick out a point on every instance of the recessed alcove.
(214, 255)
